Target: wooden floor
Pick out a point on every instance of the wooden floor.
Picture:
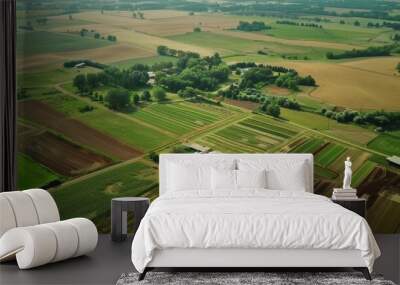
(110, 260)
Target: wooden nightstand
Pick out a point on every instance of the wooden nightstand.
(358, 206)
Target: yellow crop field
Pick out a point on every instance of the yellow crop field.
(351, 88)
(384, 65)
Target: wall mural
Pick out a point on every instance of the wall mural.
(105, 86)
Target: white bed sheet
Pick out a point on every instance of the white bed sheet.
(253, 218)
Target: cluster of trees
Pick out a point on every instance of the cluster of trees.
(398, 67)
(166, 51)
(381, 119)
(253, 26)
(83, 32)
(370, 51)
(118, 98)
(274, 68)
(256, 75)
(86, 108)
(87, 62)
(396, 37)
(271, 108)
(271, 105)
(131, 78)
(197, 30)
(261, 74)
(312, 25)
(254, 95)
(292, 80)
(394, 26)
(192, 71)
(112, 38)
(137, 15)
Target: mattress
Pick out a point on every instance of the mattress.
(250, 219)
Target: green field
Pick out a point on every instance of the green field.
(179, 118)
(273, 129)
(127, 131)
(65, 104)
(363, 172)
(327, 34)
(309, 146)
(329, 154)
(41, 42)
(225, 126)
(386, 143)
(43, 79)
(130, 180)
(324, 172)
(383, 216)
(32, 174)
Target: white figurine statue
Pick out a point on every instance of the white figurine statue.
(347, 174)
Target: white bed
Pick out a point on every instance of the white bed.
(248, 227)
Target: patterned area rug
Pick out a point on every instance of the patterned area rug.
(244, 278)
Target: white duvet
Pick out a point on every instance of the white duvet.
(250, 219)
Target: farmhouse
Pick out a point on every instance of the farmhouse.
(198, 147)
(152, 77)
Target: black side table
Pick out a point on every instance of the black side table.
(358, 206)
(119, 215)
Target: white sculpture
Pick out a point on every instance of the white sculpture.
(347, 174)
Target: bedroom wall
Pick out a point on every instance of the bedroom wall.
(92, 117)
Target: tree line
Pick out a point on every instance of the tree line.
(312, 25)
(84, 32)
(275, 68)
(370, 51)
(87, 62)
(252, 26)
(269, 104)
(382, 119)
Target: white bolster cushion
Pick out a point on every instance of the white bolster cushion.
(37, 245)
(23, 208)
(45, 205)
(87, 235)
(7, 218)
(32, 246)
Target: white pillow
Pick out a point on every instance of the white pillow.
(251, 178)
(223, 179)
(183, 178)
(282, 174)
(188, 174)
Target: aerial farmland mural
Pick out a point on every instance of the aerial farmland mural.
(104, 86)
